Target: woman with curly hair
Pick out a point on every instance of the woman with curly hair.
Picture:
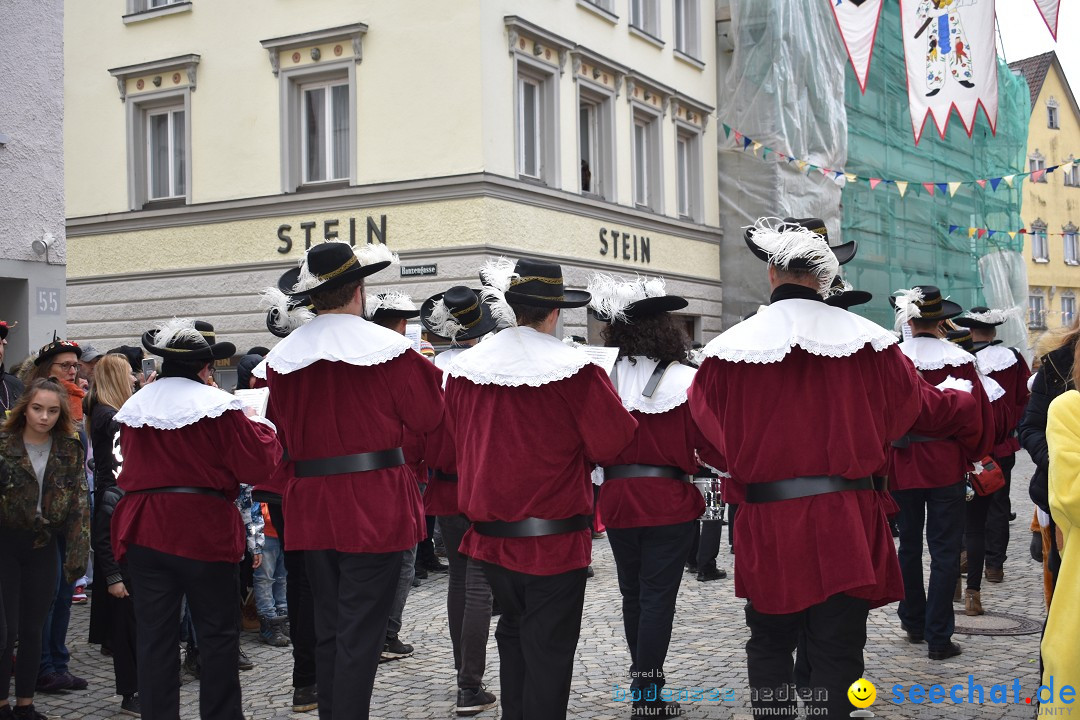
(647, 501)
(42, 501)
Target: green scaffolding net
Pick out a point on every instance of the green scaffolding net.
(904, 241)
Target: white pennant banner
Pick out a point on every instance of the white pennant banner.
(858, 23)
(1049, 10)
(951, 61)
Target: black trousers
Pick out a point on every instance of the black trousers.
(975, 536)
(301, 607)
(161, 580)
(468, 605)
(834, 634)
(353, 593)
(942, 510)
(537, 636)
(123, 641)
(649, 561)
(28, 585)
(997, 518)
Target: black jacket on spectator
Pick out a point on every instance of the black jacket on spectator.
(105, 439)
(11, 388)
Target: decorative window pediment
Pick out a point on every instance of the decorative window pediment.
(173, 73)
(533, 41)
(338, 43)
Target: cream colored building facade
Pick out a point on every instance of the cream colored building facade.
(1051, 204)
(209, 143)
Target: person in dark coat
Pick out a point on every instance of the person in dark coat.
(11, 387)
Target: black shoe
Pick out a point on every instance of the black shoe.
(1036, 546)
(945, 652)
(130, 705)
(432, 564)
(270, 632)
(589, 572)
(394, 649)
(420, 574)
(471, 701)
(245, 662)
(710, 572)
(26, 712)
(691, 568)
(656, 709)
(305, 698)
(912, 636)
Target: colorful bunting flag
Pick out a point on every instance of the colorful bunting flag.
(874, 182)
(901, 185)
(953, 187)
(1049, 11)
(994, 182)
(929, 188)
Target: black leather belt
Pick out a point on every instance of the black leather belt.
(533, 527)
(445, 477)
(800, 487)
(265, 496)
(181, 489)
(906, 440)
(361, 462)
(613, 472)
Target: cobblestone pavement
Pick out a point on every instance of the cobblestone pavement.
(706, 652)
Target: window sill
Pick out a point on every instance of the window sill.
(180, 7)
(165, 203)
(646, 36)
(1040, 260)
(539, 182)
(599, 10)
(689, 59)
(322, 186)
(1072, 262)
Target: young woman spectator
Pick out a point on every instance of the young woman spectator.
(112, 615)
(42, 501)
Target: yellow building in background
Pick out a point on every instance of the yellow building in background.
(208, 143)
(1051, 203)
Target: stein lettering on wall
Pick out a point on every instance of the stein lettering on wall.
(625, 246)
(332, 229)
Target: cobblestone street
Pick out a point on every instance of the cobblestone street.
(706, 653)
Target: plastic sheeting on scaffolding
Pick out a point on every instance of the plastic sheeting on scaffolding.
(785, 88)
(1005, 285)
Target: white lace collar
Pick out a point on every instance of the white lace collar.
(928, 353)
(817, 328)
(519, 356)
(993, 389)
(995, 358)
(630, 381)
(337, 338)
(171, 403)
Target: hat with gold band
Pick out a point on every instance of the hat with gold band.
(180, 339)
(844, 252)
(923, 302)
(457, 314)
(332, 264)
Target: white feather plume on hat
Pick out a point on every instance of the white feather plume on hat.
(497, 275)
(442, 322)
(611, 295)
(285, 318)
(784, 243)
(996, 316)
(366, 254)
(907, 307)
(390, 300)
(175, 329)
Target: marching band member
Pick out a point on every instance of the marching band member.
(187, 447)
(801, 399)
(648, 501)
(344, 392)
(529, 414)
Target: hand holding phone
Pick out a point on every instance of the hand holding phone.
(148, 368)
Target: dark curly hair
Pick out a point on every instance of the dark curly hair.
(660, 337)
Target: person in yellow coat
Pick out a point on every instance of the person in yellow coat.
(1060, 651)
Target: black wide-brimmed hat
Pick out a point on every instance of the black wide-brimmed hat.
(928, 300)
(617, 300)
(56, 347)
(388, 305)
(845, 296)
(962, 338)
(332, 264)
(981, 317)
(286, 312)
(457, 314)
(534, 283)
(844, 253)
(178, 339)
(132, 354)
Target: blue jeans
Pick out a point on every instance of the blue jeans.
(54, 653)
(270, 580)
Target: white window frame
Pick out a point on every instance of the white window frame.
(1068, 314)
(1040, 247)
(689, 179)
(1036, 310)
(602, 163)
(1071, 244)
(293, 83)
(1053, 114)
(327, 139)
(686, 28)
(1036, 161)
(645, 20)
(651, 196)
(170, 112)
(546, 138)
(1071, 173)
(139, 110)
(603, 8)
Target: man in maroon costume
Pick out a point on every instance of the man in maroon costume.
(802, 400)
(345, 392)
(530, 415)
(186, 448)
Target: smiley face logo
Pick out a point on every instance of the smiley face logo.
(862, 693)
